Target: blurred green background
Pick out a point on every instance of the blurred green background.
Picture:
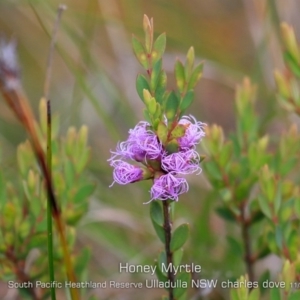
(93, 83)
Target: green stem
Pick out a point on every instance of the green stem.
(169, 253)
(49, 209)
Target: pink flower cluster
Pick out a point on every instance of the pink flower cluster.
(144, 147)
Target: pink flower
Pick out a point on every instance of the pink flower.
(183, 162)
(125, 173)
(193, 134)
(168, 187)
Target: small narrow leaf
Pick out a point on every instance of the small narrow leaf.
(148, 29)
(292, 63)
(82, 260)
(141, 85)
(187, 100)
(155, 75)
(213, 170)
(160, 275)
(177, 257)
(151, 105)
(275, 294)
(235, 246)
(157, 114)
(195, 76)
(189, 64)
(180, 76)
(161, 87)
(146, 115)
(83, 193)
(162, 132)
(156, 213)
(226, 214)
(162, 262)
(139, 52)
(202, 157)
(179, 237)
(234, 294)
(184, 279)
(171, 106)
(178, 131)
(172, 146)
(158, 48)
(159, 231)
(264, 206)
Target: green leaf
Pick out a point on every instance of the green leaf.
(83, 193)
(254, 295)
(171, 106)
(9, 215)
(264, 277)
(69, 173)
(186, 101)
(162, 132)
(24, 229)
(73, 215)
(235, 247)
(82, 261)
(178, 131)
(213, 170)
(177, 257)
(172, 146)
(161, 87)
(159, 231)
(162, 261)
(275, 294)
(234, 294)
(157, 116)
(150, 102)
(202, 157)
(139, 52)
(263, 252)
(195, 76)
(155, 75)
(189, 64)
(148, 29)
(38, 240)
(160, 275)
(179, 75)
(147, 116)
(141, 85)
(292, 63)
(264, 206)
(156, 213)
(226, 213)
(179, 237)
(183, 297)
(184, 279)
(158, 48)
(226, 195)
(294, 296)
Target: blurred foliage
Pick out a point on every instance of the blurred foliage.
(23, 226)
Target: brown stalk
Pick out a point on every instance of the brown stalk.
(12, 91)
